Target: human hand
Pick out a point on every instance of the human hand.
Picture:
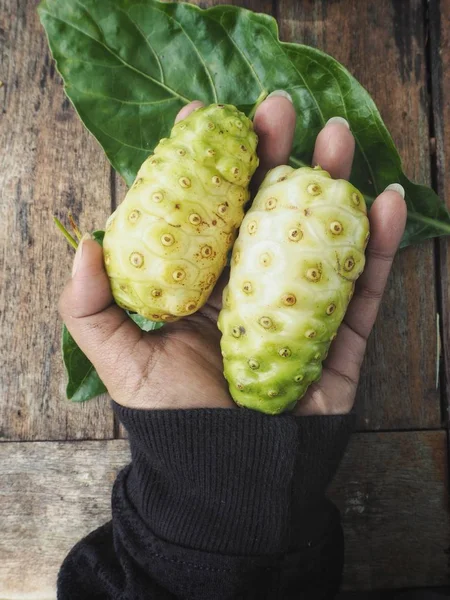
(180, 365)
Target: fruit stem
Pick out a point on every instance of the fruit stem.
(263, 95)
(65, 233)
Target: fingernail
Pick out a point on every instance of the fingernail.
(79, 253)
(396, 187)
(340, 120)
(282, 94)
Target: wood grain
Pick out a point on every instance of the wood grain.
(52, 494)
(382, 44)
(49, 165)
(392, 492)
(440, 59)
(391, 489)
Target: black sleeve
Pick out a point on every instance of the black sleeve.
(217, 504)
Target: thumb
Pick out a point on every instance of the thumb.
(101, 329)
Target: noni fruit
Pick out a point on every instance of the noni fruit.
(299, 252)
(167, 242)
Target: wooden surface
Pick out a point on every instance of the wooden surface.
(440, 58)
(48, 165)
(392, 487)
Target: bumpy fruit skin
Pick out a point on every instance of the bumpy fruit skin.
(167, 242)
(299, 252)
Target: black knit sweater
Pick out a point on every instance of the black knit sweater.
(217, 504)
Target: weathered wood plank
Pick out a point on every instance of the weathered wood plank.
(52, 494)
(382, 44)
(391, 489)
(50, 165)
(440, 61)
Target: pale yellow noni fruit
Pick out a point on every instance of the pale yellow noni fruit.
(299, 252)
(166, 244)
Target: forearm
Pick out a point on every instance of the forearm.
(219, 504)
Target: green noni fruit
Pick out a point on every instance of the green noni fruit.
(299, 252)
(166, 244)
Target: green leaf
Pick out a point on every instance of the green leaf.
(145, 324)
(98, 236)
(130, 65)
(83, 380)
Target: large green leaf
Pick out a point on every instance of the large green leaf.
(83, 380)
(130, 65)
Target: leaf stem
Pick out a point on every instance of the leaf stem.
(74, 226)
(65, 233)
(263, 95)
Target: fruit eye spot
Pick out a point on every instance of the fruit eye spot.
(178, 275)
(222, 209)
(336, 227)
(216, 180)
(284, 352)
(333, 337)
(136, 259)
(252, 227)
(157, 197)
(181, 152)
(271, 203)
(289, 299)
(316, 357)
(154, 161)
(313, 274)
(210, 126)
(211, 279)
(211, 152)
(182, 126)
(243, 148)
(156, 317)
(167, 317)
(191, 306)
(330, 309)
(281, 178)
(247, 287)
(356, 199)
(107, 258)
(265, 259)
(238, 123)
(156, 293)
(167, 239)
(138, 182)
(185, 182)
(236, 257)
(272, 393)
(206, 251)
(349, 264)
(314, 189)
(311, 333)
(295, 234)
(195, 219)
(237, 331)
(134, 216)
(253, 364)
(240, 387)
(298, 378)
(235, 172)
(265, 322)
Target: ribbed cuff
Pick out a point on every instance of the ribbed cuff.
(233, 481)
